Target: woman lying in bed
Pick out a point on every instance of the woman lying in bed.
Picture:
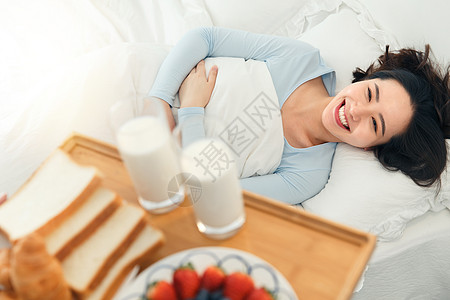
(399, 108)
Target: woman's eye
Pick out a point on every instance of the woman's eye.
(369, 93)
(374, 122)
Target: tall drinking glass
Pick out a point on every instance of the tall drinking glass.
(211, 182)
(147, 149)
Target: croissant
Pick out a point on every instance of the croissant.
(35, 274)
(5, 270)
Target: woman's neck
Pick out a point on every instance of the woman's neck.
(302, 115)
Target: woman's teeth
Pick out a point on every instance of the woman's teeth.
(342, 116)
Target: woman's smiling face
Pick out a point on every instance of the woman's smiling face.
(368, 113)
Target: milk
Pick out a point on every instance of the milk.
(217, 201)
(146, 148)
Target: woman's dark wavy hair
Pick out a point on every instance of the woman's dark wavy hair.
(420, 152)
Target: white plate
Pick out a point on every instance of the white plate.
(263, 274)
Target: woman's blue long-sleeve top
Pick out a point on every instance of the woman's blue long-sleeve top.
(302, 173)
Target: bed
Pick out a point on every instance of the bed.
(64, 63)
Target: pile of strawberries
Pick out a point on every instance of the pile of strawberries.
(213, 284)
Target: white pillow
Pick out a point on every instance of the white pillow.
(401, 20)
(286, 18)
(343, 44)
(360, 192)
(259, 16)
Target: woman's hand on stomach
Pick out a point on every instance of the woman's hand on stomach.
(196, 89)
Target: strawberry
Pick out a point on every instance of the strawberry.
(260, 294)
(237, 286)
(161, 290)
(186, 282)
(213, 278)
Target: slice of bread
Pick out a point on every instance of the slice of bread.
(86, 266)
(143, 246)
(82, 223)
(50, 195)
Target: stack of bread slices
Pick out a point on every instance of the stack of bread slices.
(96, 237)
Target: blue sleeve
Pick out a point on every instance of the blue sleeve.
(190, 121)
(288, 187)
(200, 43)
(302, 174)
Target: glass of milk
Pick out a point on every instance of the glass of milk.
(147, 150)
(212, 184)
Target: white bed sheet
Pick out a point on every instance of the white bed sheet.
(413, 267)
(54, 50)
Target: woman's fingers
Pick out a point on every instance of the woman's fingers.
(200, 71)
(213, 75)
(196, 89)
(193, 71)
(200, 66)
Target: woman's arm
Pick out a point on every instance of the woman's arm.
(196, 89)
(195, 93)
(200, 43)
(290, 187)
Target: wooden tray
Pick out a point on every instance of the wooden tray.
(321, 259)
